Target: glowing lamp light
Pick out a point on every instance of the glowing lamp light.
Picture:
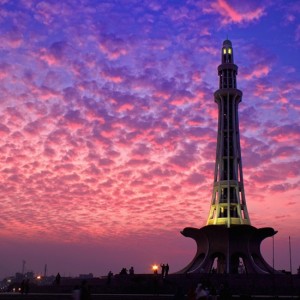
(39, 277)
(155, 269)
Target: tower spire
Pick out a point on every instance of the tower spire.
(228, 204)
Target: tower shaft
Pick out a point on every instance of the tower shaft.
(228, 204)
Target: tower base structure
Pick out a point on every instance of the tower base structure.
(230, 250)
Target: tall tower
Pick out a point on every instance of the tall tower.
(228, 205)
(228, 243)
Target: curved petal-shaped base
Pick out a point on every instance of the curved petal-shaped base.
(228, 249)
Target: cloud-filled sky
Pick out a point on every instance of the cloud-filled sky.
(108, 128)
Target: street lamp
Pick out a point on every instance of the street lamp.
(155, 269)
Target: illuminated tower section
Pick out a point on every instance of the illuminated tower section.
(228, 205)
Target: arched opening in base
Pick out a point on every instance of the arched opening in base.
(218, 264)
(238, 264)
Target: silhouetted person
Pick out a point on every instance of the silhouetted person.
(85, 293)
(57, 279)
(109, 277)
(167, 270)
(201, 292)
(123, 271)
(131, 271)
(163, 270)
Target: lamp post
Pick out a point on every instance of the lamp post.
(155, 269)
(273, 250)
(290, 252)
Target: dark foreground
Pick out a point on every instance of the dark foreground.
(150, 287)
(16, 296)
(128, 297)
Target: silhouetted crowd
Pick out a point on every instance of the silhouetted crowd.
(124, 271)
(164, 270)
(206, 291)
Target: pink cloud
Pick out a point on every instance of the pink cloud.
(284, 133)
(179, 101)
(195, 179)
(261, 90)
(4, 70)
(112, 46)
(73, 118)
(48, 58)
(115, 75)
(196, 76)
(13, 38)
(4, 130)
(125, 107)
(282, 187)
(258, 72)
(196, 121)
(35, 127)
(210, 50)
(233, 15)
(285, 151)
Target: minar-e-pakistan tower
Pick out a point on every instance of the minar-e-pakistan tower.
(228, 241)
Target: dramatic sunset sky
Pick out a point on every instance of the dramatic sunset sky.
(108, 128)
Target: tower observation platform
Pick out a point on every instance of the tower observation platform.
(228, 243)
